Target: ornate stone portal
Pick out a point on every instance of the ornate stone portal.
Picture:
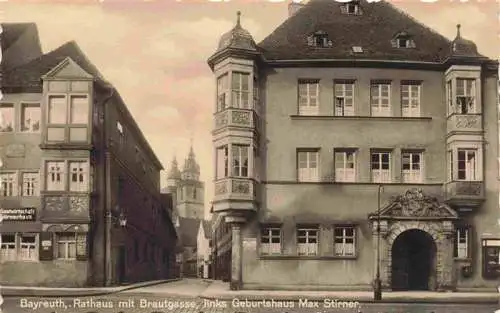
(415, 210)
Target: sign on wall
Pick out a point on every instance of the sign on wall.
(21, 214)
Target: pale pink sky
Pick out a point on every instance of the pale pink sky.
(155, 52)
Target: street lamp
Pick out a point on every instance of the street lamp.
(377, 291)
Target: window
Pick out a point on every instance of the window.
(449, 97)
(55, 176)
(403, 40)
(307, 241)
(255, 92)
(19, 247)
(9, 184)
(30, 184)
(270, 240)
(240, 160)
(194, 193)
(240, 86)
(344, 99)
(8, 247)
(66, 246)
(410, 100)
(308, 97)
(450, 165)
(380, 99)
(27, 245)
(222, 162)
(79, 110)
(344, 240)
(30, 117)
(351, 8)
(319, 40)
(308, 167)
(466, 91)
(222, 93)
(6, 117)
(57, 110)
(462, 243)
(78, 176)
(381, 167)
(467, 164)
(491, 258)
(411, 167)
(345, 168)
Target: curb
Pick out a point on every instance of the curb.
(401, 300)
(5, 291)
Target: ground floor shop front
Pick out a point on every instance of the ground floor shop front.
(414, 243)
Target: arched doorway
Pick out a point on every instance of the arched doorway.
(413, 261)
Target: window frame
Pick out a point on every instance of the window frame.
(307, 237)
(67, 243)
(470, 104)
(342, 94)
(224, 163)
(23, 106)
(16, 247)
(345, 238)
(377, 108)
(313, 172)
(463, 229)
(307, 108)
(345, 169)
(408, 110)
(223, 88)
(66, 175)
(411, 172)
(238, 167)
(14, 188)
(474, 170)
(380, 163)
(266, 248)
(238, 92)
(36, 183)
(3, 106)
(67, 126)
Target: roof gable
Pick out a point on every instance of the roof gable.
(67, 69)
(373, 31)
(19, 43)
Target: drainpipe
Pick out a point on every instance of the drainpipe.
(107, 193)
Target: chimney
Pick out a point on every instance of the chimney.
(293, 7)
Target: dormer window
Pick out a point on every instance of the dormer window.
(319, 39)
(351, 8)
(403, 40)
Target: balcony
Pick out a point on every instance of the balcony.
(235, 118)
(240, 190)
(464, 193)
(66, 207)
(464, 123)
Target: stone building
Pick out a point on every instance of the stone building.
(353, 138)
(80, 184)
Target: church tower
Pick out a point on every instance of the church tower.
(189, 190)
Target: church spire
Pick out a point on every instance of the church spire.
(174, 172)
(190, 165)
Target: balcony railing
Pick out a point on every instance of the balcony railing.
(465, 192)
(235, 189)
(464, 122)
(236, 118)
(66, 207)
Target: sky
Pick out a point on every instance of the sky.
(154, 52)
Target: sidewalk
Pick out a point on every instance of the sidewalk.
(220, 290)
(29, 291)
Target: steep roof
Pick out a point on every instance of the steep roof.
(372, 30)
(188, 231)
(207, 228)
(29, 75)
(19, 43)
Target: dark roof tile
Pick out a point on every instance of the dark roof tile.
(373, 31)
(19, 43)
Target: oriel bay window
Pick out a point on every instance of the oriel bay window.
(270, 240)
(344, 239)
(411, 167)
(68, 118)
(307, 240)
(72, 175)
(19, 247)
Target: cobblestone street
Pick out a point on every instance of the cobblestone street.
(127, 303)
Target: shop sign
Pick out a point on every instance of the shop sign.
(21, 214)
